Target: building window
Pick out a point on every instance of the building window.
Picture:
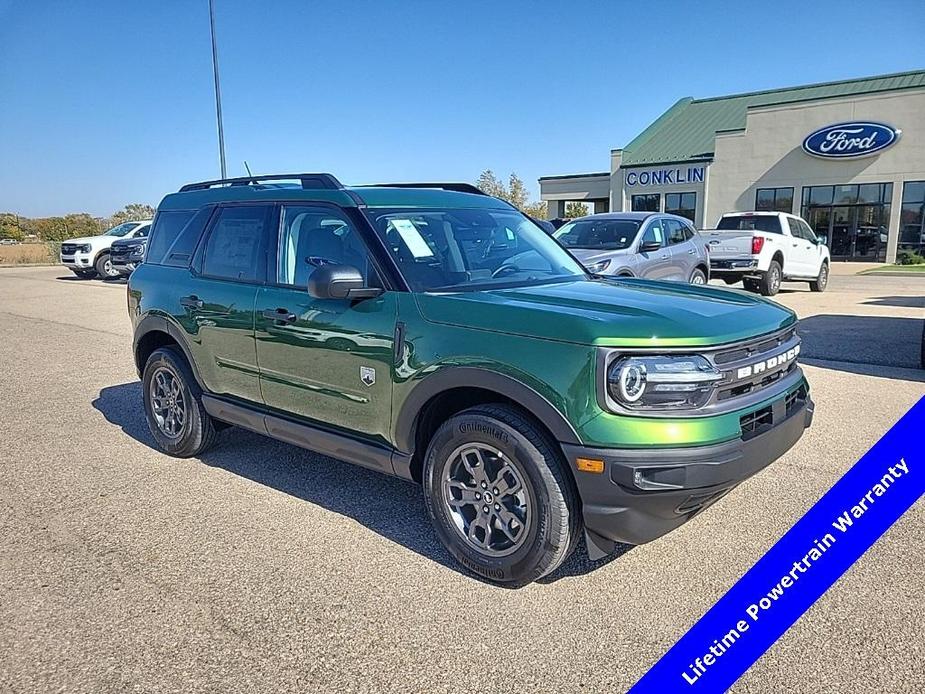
(647, 203)
(774, 200)
(853, 220)
(681, 204)
(912, 218)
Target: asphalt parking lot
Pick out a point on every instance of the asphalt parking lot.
(266, 567)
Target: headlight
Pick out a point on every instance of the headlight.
(599, 267)
(138, 249)
(662, 382)
(83, 248)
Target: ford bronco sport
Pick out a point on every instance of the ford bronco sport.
(435, 333)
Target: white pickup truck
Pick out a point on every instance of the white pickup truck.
(762, 249)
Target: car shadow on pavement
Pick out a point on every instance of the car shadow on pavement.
(898, 301)
(871, 345)
(390, 507)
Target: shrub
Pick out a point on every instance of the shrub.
(909, 258)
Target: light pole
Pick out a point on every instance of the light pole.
(218, 89)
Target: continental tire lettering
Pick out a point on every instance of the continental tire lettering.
(478, 427)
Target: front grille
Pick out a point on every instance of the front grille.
(754, 366)
(68, 248)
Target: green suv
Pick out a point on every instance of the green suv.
(435, 333)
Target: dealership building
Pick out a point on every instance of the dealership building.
(849, 157)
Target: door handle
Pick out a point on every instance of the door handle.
(192, 301)
(665, 257)
(692, 252)
(794, 245)
(280, 315)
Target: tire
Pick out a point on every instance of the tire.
(697, 277)
(546, 508)
(769, 284)
(751, 285)
(104, 267)
(822, 280)
(196, 432)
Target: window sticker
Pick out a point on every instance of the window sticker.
(412, 238)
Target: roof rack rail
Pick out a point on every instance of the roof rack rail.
(458, 187)
(309, 181)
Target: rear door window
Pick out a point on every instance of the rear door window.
(674, 231)
(236, 246)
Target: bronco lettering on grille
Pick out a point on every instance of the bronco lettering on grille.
(768, 364)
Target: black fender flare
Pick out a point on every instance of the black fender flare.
(157, 323)
(473, 377)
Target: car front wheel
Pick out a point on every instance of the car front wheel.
(822, 280)
(104, 267)
(499, 496)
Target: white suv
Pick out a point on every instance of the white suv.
(89, 257)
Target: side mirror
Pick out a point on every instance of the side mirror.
(649, 246)
(339, 282)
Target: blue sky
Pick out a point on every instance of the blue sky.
(108, 102)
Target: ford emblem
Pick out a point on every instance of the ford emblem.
(846, 140)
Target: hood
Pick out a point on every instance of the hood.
(91, 240)
(128, 242)
(613, 312)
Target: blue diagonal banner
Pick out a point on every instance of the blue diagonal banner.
(799, 568)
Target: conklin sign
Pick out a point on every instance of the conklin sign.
(665, 177)
(847, 140)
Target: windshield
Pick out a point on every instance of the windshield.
(471, 249)
(122, 229)
(600, 234)
(768, 223)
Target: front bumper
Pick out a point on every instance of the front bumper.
(644, 493)
(125, 268)
(77, 261)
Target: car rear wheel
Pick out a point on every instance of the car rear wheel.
(173, 405)
(822, 280)
(499, 496)
(769, 284)
(104, 267)
(698, 277)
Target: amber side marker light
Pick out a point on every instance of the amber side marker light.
(589, 465)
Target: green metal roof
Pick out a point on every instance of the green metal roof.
(687, 130)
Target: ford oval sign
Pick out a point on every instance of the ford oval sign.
(846, 140)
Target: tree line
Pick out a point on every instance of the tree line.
(515, 192)
(69, 226)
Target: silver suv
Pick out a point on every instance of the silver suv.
(638, 244)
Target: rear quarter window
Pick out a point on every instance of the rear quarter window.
(174, 236)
